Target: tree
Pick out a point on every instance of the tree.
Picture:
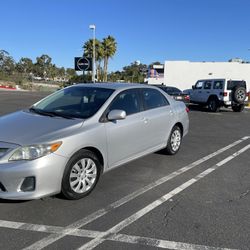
(25, 65)
(135, 72)
(7, 63)
(109, 49)
(43, 66)
(70, 72)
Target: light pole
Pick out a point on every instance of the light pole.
(92, 27)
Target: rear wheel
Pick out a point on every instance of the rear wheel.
(239, 94)
(174, 141)
(81, 175)
(238, 108)
(213, 105)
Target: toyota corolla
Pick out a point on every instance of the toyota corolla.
(63, 143)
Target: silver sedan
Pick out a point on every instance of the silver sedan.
(66, 141)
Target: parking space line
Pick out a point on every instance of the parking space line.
(101, 212)
(160, 243)
(113, 237)
(30, 227)
(134, 217)
(48, 229)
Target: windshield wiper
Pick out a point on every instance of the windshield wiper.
(50, 113)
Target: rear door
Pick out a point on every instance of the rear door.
(157, 117)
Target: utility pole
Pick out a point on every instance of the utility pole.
(92, 27)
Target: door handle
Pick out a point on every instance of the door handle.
(145, 120)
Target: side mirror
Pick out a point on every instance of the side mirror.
(193, 87)
(116, 114)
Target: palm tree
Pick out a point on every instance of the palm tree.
(88, 48)
(109, 48)
(88, 52)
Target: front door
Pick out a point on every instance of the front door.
(125, 138)
(196, 93)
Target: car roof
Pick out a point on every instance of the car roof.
(115, 86)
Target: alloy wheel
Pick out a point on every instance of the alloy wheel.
(83, 175)
(175, 140)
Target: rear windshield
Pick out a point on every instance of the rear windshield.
(171, 90)
(232, 84)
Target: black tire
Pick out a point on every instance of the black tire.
(213, 105)
(170, 149)
(67, 181)
(238, 108)
(239, 94)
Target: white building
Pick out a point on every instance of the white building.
(184, 74)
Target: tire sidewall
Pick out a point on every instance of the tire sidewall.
(169, 148)
(66, 188)
(235, 94)
(213, 105)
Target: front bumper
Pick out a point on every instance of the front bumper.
(48, 173)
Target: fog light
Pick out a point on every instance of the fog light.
(28, 184)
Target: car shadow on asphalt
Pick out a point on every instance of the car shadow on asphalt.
(200, 108)
(4, 201)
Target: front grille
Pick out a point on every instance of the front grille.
(2, 188)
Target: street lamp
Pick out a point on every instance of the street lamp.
(92, 27)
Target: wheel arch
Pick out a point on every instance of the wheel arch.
(212, 97)
(98, 154)
(179, 124)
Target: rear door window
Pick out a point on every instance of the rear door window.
(218, 85)
(153, 98)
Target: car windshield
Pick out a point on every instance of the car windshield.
(73, 102)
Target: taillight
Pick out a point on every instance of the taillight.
(187, 109)
(224, 93)
(187, 97)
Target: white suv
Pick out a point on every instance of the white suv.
(216, 93)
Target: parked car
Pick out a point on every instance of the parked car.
(175, 93)
(66, 141)
(216, 93)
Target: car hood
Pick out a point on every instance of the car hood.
(25, 128)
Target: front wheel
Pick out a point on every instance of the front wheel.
(81, 175)
(238, 108)
(174, 141)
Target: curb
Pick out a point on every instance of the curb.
(7, 87)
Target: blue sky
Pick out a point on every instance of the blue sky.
(195, 30)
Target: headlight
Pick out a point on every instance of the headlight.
(34, 151)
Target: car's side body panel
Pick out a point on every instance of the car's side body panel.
(117, 142)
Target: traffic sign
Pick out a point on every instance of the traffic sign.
(83, 64)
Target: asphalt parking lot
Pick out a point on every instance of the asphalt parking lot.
(197, 199)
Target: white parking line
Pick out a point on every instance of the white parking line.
(134, 217)
(99, 213)
(160, 243)
(113, 237)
